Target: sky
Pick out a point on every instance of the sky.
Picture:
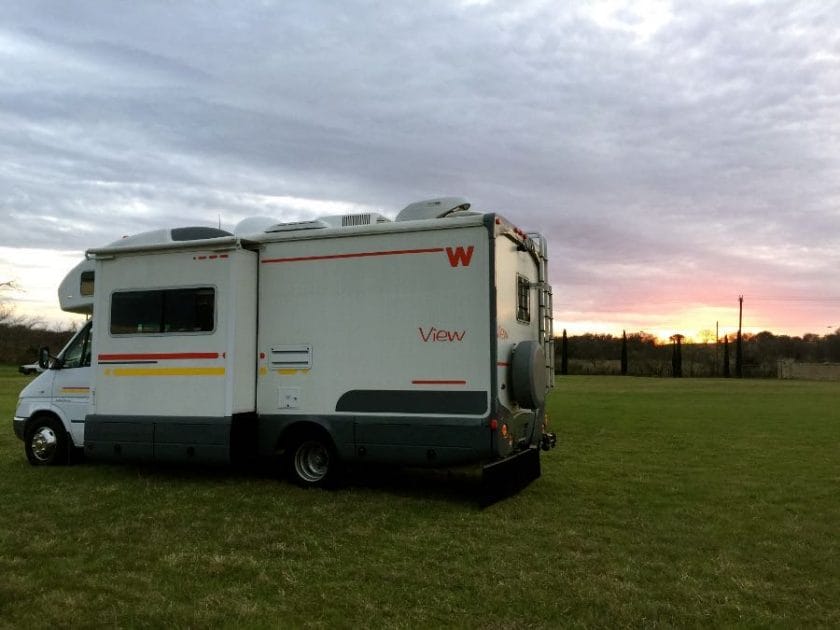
(675, 155)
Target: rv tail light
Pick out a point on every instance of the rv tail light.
(494, 424)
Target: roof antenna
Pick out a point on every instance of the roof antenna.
(220, 220)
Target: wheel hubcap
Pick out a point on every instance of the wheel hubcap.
(44, 443)
(312, 461)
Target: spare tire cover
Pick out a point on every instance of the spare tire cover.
(528, 374)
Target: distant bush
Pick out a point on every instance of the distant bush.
(19, 341)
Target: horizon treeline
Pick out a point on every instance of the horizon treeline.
(638, 354)
(644, 355)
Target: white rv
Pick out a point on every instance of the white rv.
(426, 340)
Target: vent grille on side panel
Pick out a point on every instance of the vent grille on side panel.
(294, 356)
(355, 219)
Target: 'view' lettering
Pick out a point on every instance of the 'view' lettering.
(447, 336)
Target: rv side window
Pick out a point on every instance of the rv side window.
(523, 299)
(163, 311)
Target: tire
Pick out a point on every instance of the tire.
(46, 442)
(528, 375)
(311, 460)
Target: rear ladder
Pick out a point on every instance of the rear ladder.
(546, 318)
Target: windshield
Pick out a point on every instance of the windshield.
(77, 352)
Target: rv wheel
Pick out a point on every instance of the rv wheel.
(311, 461)
(46, 442)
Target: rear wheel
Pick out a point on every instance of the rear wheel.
(311, 461)
(46, 442)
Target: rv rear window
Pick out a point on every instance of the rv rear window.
(162, 311)
(523, 299)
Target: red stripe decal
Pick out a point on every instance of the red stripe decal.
(503, 364)
(436, 382)
(159, 356)
(394, 252)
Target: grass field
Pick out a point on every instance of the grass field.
(666, 503)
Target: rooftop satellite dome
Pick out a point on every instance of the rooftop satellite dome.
(433, 208)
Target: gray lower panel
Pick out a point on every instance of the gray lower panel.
(146, 438)
(412, 401)
(414, 440)
(432, 441)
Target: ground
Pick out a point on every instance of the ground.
(668, 502)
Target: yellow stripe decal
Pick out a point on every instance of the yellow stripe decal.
(167, 371)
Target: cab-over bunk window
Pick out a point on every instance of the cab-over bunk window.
(163, 311)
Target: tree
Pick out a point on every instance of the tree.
(739, 348)
(6, 310)
(564, 354)
(624, 353)
(726, 373)
(676, 358)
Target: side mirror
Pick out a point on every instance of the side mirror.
(44, 358)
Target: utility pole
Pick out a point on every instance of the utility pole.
(739, 350)
(717, 347)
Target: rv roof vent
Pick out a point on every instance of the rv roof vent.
(432, 208)
(169, 235)
(351, 220)
(253, 225)
(197, 233)
(315, 224)
(368, 218)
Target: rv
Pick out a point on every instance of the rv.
(422, 341)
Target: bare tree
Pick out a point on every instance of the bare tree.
(6, 310)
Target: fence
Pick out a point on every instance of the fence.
(790, 369)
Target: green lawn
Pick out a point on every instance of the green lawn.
(666, 503)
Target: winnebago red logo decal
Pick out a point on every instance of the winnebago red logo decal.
(435, 334)
(459, 255)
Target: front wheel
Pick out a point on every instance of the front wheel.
(311, 461)
(46, 442)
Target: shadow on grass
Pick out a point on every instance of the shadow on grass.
(460, 486)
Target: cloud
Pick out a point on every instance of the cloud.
(665, 150)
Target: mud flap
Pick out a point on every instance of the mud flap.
(508, 476)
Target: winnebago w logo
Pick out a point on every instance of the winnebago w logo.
(459, 255)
